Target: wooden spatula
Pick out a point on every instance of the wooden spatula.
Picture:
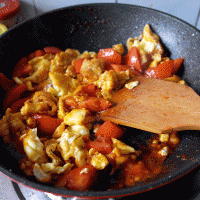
(156, 106)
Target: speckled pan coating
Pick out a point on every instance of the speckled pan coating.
(95, 26)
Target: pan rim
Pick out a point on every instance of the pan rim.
(98, 194)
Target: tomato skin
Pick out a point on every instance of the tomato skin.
(101, 144)
(161, 71)
(89, 90)
(110, 129)
(71, 103)
(77, 64)
(16, 106)
(46, 124)
(133, 59)
(75, 180)
(5, 83)
(13, 95)
(95, 104)
(110, 55)
(22, 68)
(52, 50)
(177, 64)
(119, 68)
(35, 54)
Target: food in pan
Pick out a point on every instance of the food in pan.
(51, 114)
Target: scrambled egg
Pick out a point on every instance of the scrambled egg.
(53, 80)
(92, 69)
(149, 46)
(11, 123)
(40, 69)
(98, 160)
(63, 84)
(71, 144)
(33, 147)
(41, 103)
(107, 82)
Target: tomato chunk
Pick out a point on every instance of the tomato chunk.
(52, 50)
(79, 179)
(71, 103)
(46, 124)
(90, 90)
(16, 106)
(161, 71)
(119, 68)
(95, 104)
(133, 59)
(22, 68)
(14, 94)
(5, 83)
(77, 64)
(109, 129)
(101, 144)
(110, 55)
(177, 64)
(35, 54)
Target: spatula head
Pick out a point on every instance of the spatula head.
(156, 106)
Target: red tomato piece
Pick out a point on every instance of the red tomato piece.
(46, 124)
(133, 59)
(71, 103)
(22, 68)
(95, 104)
(52, 50)
(14, 94)
(119, 68)
(101, 144)
(107, 66)
(109, 129)
(90, 90)
(110, 55)
(35, 54)
(177, 64)
(161, 71)
(5, 83)
(77, 64)
(16, 106)
(79, 179)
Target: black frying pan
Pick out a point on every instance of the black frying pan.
(95, 26)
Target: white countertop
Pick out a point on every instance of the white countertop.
(187, 10)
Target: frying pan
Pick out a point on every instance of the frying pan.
(91, 27)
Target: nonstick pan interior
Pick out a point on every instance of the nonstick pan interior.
(91, 27)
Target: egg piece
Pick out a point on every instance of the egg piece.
(120, 147)
(62, 60)
(98, 160)
(63, 84)
(92, 69)
(40, 69)
(78, 117)
(72, 143)
(41, 103)
(107, 82)
(40, 175)
(33, 147)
